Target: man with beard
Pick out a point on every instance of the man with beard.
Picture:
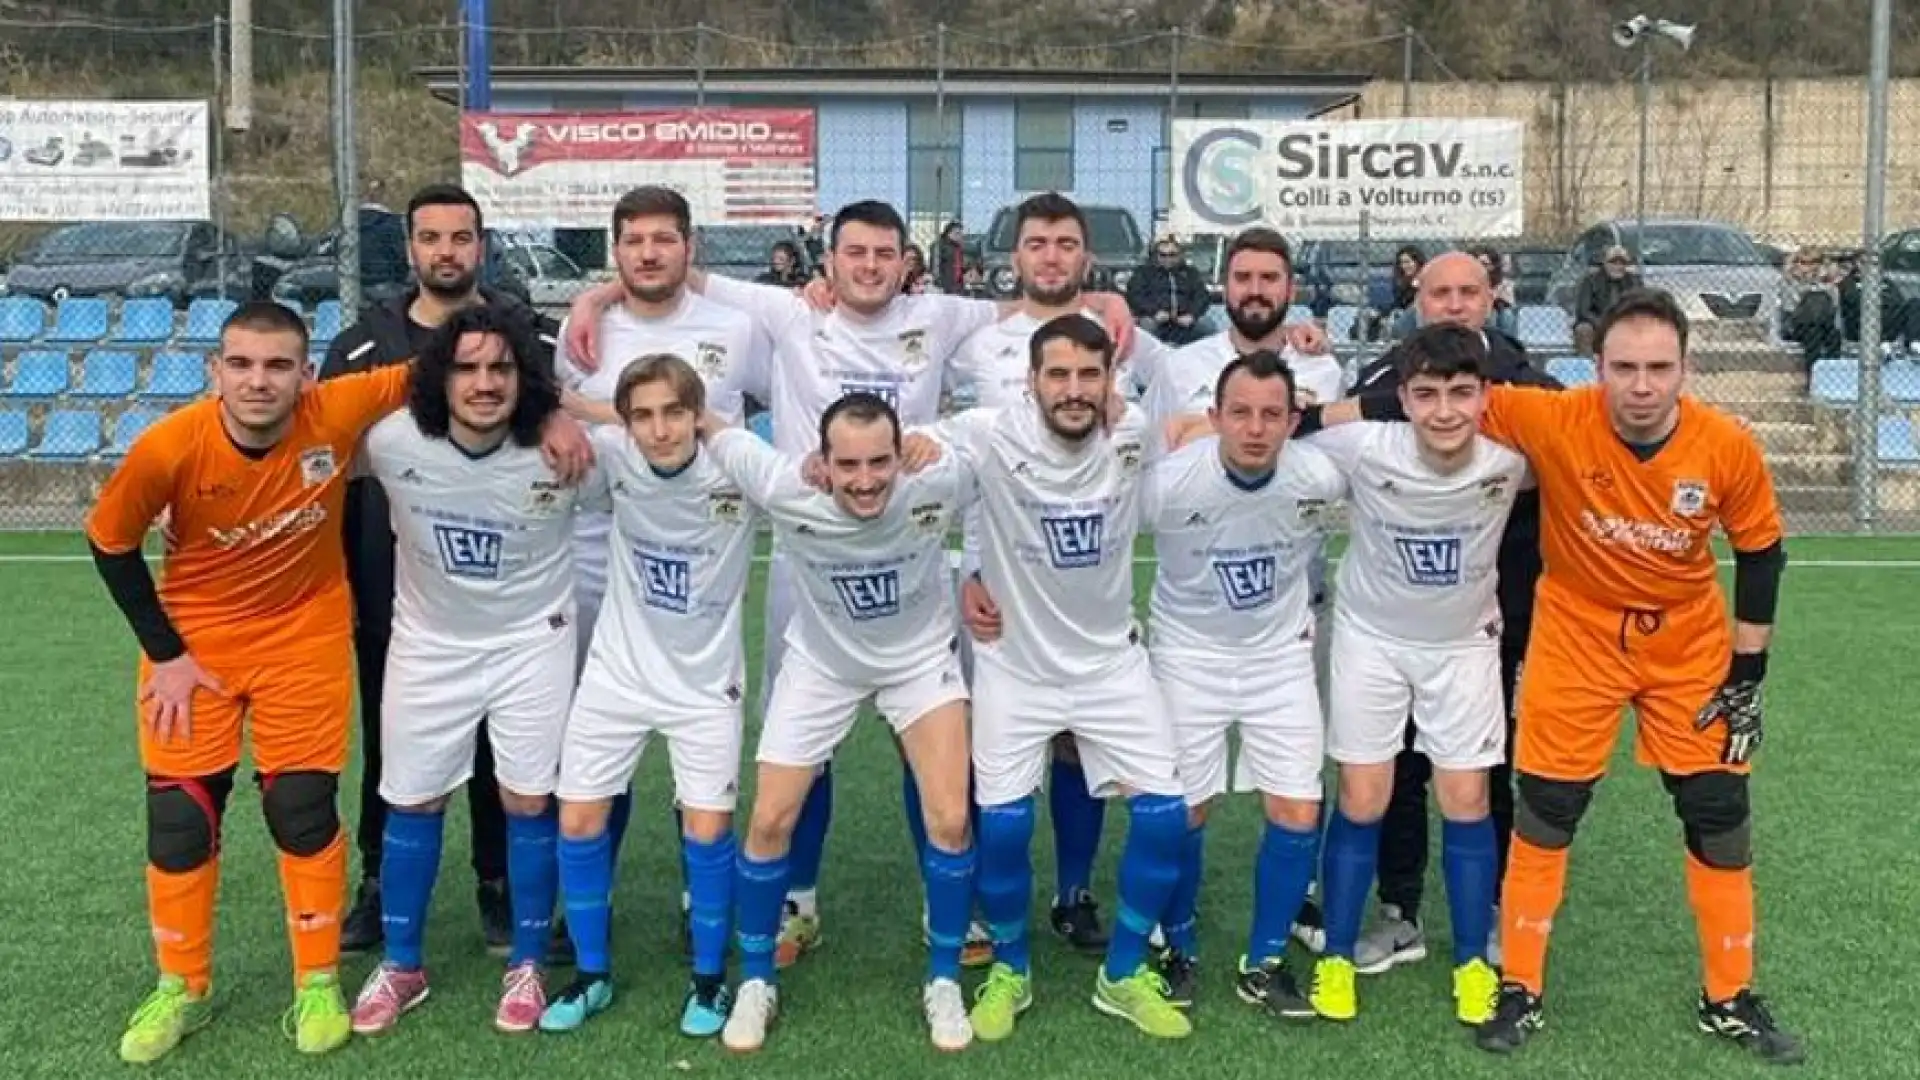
(445, 242)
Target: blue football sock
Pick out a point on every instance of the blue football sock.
(1352, 852)
(916, 815)
(710, 881)
(409, 863)
(949, 882)
(1078, 819)
(759, 895)
(617, 822)
(1468, 856)
(809, 841)
(586, 878)
(1179, 923)
(1005, 881)
(533, 883)
(1281, 874)
(1149, 872)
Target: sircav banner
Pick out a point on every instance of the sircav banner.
(104, 161)
(1411, 179)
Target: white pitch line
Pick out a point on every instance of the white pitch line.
(1792, 563)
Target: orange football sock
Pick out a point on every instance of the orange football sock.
(1723, 910)
(315, 887)
(1536, 880)
(180, 907)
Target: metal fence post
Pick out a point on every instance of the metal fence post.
(940, 125)
(700, 65)
(1406, 70)
(217, 144)
(346, 172)
(1866, 428)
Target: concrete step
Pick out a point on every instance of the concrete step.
(1810, 470)
(1747, 384)
(1816, 500)
(1775, 411)
(1792, 438)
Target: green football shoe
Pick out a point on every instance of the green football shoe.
(998, 1002)
(319, 1020)
(1143, 1000)
(169, 1015)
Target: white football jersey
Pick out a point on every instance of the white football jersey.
(902, 354)
(1422, 561)
(1193, 372)
(681, 551)
(722, 344)
(875, 598)
(483, 552)
(1232, 579)
(1057, 533)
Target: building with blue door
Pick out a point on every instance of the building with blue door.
(953, 144)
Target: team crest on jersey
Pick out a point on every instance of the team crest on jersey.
(725, 506)
(1310, 511)
(710, 359)
(1246, 583)
(316, 465)
(1689, 497)
(1129, 454)
(869, 596)
(545, 498)
(1494, 488)
(665, 583)
(467, 552)
(1073, 540)
(928, 515)
(913, 348)
(1433, 562)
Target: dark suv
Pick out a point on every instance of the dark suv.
(1114, 238)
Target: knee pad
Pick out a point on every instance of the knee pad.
(1548, 812)
(300, 810)
(1158, 822)
(183, 820)
(1717, 816)
(1007, 830)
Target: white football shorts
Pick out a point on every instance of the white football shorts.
(610, 726)
(778, 612)
(436, 696)
(811, 711)
(1118, 721)
(1273, 705)
(592, 540)
(1459, 713)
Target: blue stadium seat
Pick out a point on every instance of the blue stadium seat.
(1836, 381)
(79, 320)
(1299, 313)
(146, 320)
(1543, 326)
(128, 428)
(1340, 323)
(1573, 370)
(204, 317)
(762, 425)
(326, 323)
(294, 306)
(1896, 443)
(22, 320)
(175, 376)
(13, 433)
(40, 373)
(69, 435)
(107, 373)
(1900, 383)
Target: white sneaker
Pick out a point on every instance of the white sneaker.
(1493, 940)
(1394, 940)
(755, 1005)
(946, 1009)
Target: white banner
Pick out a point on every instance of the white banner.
(104, 161)
(1413, 179)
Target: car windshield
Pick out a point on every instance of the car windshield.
(1694, 245)
(1113, 232)
(1902, 254)
(736, 245)
(114, 240)
(1378, 253)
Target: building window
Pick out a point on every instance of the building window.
(1212, 108)
(1043, 146)
(933, 160)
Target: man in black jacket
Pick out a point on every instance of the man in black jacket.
(1454, 288)
(445, 243)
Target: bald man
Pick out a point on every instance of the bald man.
(1453, 288)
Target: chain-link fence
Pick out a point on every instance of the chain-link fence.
(1746, 197)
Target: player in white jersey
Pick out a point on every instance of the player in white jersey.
(1417, 625)
(666, 660)
(1059, 479)
(874, 622)
(1236, 522)
(874, 339)
(483, 632)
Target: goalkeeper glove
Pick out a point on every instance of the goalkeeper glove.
(1739, 703)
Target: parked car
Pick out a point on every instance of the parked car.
(744, 251)
(175, 259)
(1114, 238)
(1206, 251)
(552, 279)
(1530, 267)
(1900, 262)
(1715, 270)
(385, 271)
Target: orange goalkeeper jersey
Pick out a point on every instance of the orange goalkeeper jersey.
(253, 554)
(1626, 533)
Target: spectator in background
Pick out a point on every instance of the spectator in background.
(1899, 316)
(1598, 291)
(785, 267)
(1168, 295)
(1810, 308)
(1505, 316)
(913, 279)
(973, 280)
(815, 239)
(1401, 321)
(950, 259)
